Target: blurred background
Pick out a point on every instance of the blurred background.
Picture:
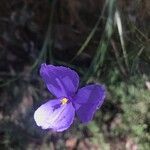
(105, 41)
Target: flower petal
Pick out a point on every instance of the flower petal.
(60, 81)
(53, 115)
(87, 100)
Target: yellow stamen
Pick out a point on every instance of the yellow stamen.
(64, 101)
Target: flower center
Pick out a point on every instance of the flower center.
(64, 101)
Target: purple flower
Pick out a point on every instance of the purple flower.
(58, 114)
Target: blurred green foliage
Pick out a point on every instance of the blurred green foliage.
(129, 116)
(134, 101)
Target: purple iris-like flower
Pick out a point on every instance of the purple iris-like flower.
(58, 114)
